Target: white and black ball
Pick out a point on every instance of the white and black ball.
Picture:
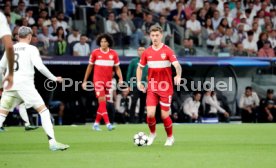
(140, 139)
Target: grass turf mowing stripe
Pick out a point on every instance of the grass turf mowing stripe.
(197, 145)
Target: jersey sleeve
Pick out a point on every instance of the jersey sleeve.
(92, 57)
(143, 60)
(172, 56)
(116, 59)
(5, 29)
(37, 62)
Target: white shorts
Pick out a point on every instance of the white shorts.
(31, 98)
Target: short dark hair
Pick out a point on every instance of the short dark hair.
(108, 38)
(75, 29)
(206, 1)
(44, 10)
(247, 10)
(248, 88)
(215, 2)
(7, 15)
(110, 13)
(60, 12)
(250, 33)
(20, 2)
(29, 9)
(196, 92)
(142, 42)
(270, 91)
(194, 13)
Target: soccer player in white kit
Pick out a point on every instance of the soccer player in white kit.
(5, 35)
(23, 90)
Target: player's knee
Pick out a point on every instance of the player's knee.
(151, 112)
(150, 115)
(4, 112)
(165, 113)
(41, 108)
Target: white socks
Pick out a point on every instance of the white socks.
(2, 119)
(24, 115)
(47, 125)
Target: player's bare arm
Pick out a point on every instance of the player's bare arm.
(7, 41)
(139, 73)
(178, 69)
(86, 76)
(119, 74)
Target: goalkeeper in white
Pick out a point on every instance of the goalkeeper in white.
(23, 90)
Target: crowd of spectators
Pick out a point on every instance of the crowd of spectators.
(234, 27)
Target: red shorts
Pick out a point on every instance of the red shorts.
(102, 89)
(154, 98)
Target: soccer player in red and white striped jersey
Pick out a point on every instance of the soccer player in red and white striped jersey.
(103, 60)
(159, 58)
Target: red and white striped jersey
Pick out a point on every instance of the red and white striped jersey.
(103, 64)
(159, 68)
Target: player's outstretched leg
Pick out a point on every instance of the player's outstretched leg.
(169, 130)
(24, 115)
(49, 130)
(2, 119)
(152, 126)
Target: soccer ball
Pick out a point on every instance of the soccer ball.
(140, 139)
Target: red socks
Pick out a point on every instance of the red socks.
(168, 126)
(152, 124)
(98, 118)
(106, 118)
(102, 113)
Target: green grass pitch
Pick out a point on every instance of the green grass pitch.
(202, 145)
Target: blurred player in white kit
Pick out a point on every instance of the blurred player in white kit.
(26, 57)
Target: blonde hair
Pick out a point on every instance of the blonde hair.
(155, 28)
